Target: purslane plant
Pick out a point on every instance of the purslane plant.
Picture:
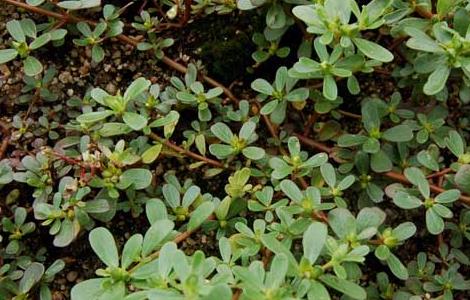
(328, 67)
(139, 258)
(234, 144)
(447, 47)
(390, 238)
(370, 139)
(436, 207)
(268, 46)
(335, 188)
(69, 212)
(119, 106)
(93, 39)
(192, 206)
(17, 229)
(192, 93)
(6, 174)
(284, 195)
(21, 31)
(458, 147)
(297, 163)
(279, 94)
(264, 203)
(35, 276)
(116, 174)
(39, 85)
(331, 20)
(305, 202)
(370, 189)
(147, 23)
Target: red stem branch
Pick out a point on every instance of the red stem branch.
(188, 153)
(5, 129)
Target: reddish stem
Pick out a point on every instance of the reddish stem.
(191, 154)
(187, 12)
(423, 12)
(349, 114)
(314, 144)
(237, 295)
(4, 146)
(440, 173)
(310, 122)
(5, 128)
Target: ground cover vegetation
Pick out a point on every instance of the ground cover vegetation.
(235, 149)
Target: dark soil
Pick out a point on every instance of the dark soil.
(225, 51)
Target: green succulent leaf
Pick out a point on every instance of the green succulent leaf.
(254, 153)
(31, 276)
(134, 120)
(330, 90)
(138, 178)
(7, 55)
(95, 116)
(68, 232)
(262, 86)
(32, 66)
(406, 201)
(397, 267)
(344, 286)
(437, 80)
(88, 289)
(416, 176)
(448, 196)
(131, 250)
(404, 231)
(200, 215)
(102, 242)
(380, 162)
(373, 50)
(40, 41)
(421, 41)
(318, 291)
(434, 222)
(15, 29)
(222, 132)
(313, 241)
(136, 88)
(151, 154)
(462, 178)
(79, 4)
(156, 235)
(400, 133)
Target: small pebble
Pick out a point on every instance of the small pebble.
(72, 276)
(111, 88)
(88, 52)
(65, 77)
(5, 70)
(116, 54)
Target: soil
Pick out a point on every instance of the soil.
(225, 52)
